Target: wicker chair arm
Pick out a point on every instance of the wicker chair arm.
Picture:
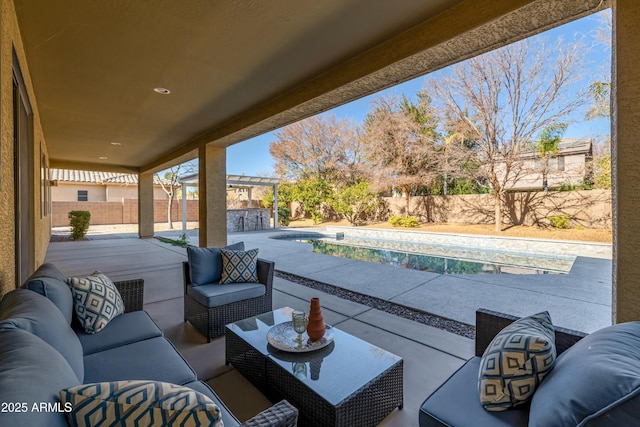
(132, 293)
(282, 414)
(490, 323)
(265, 273)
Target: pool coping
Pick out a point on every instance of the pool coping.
(524, 262)
(513, 244)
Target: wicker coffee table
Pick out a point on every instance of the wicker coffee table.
(348, 383)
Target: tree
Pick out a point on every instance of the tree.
(505, 98)
(601, 165)
(600, 91)
(169, 183)
(400, 145)
(320, 147)
(601, 95)
(354, 202)
(313, 194)
(547, 147)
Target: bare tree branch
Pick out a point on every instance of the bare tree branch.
(506, 97)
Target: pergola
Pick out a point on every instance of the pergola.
(235, 181)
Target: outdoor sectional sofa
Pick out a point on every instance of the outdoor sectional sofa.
(43, 349)
(595, 381)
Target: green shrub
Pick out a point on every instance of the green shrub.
(400, 221)
(284, 215)
(395, 220)
(410, 221)
(355, 202)
(183, 240)
(560, 221)
(79, 222)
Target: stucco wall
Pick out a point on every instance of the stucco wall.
(68, 192)
(573, 173)
(10, 39)
(118, 192)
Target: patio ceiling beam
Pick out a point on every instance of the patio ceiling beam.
(467, 29)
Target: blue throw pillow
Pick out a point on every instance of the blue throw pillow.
(139, 402)
(239, 266)
(596, 382)
(96, 301)
(205, 264)
(516, 361)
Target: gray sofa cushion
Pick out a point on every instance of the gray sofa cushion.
(122, 330)
(227, 417)
(31, 372)
(51, 283)
(218, 295)
(36, 314)
(594, 383)
(205, 264)
(152, 359)
(457, 403)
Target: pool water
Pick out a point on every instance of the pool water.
(439, 259)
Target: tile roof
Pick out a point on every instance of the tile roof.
(94, 177)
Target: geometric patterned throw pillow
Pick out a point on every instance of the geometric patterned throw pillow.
(516, 361)
(96, 301)
(138, 403)
(239, 266)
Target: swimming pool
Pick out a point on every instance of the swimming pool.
(440, 259)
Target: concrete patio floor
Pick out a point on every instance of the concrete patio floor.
(580, 300)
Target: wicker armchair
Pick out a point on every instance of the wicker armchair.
(210, 321)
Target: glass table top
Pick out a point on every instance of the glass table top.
(333, 372)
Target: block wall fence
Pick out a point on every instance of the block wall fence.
(591, 209)
(124, 212)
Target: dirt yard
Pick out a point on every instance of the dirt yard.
(589, 235)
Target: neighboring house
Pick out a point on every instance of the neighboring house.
(90, 186)
(569, 166)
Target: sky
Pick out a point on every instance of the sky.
(252, 157)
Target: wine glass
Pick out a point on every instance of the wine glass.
(299, 320)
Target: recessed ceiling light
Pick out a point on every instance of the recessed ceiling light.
(117, 144)
(162, 90)
(103, 157)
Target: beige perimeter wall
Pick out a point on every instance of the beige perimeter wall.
(123, 212)
(590, 209)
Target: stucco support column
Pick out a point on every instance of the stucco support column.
(625, 160)
(212, 181)
(145, 205)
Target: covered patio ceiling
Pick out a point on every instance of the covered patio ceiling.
(237, 69)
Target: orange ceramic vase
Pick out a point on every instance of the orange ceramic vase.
(315, 327)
